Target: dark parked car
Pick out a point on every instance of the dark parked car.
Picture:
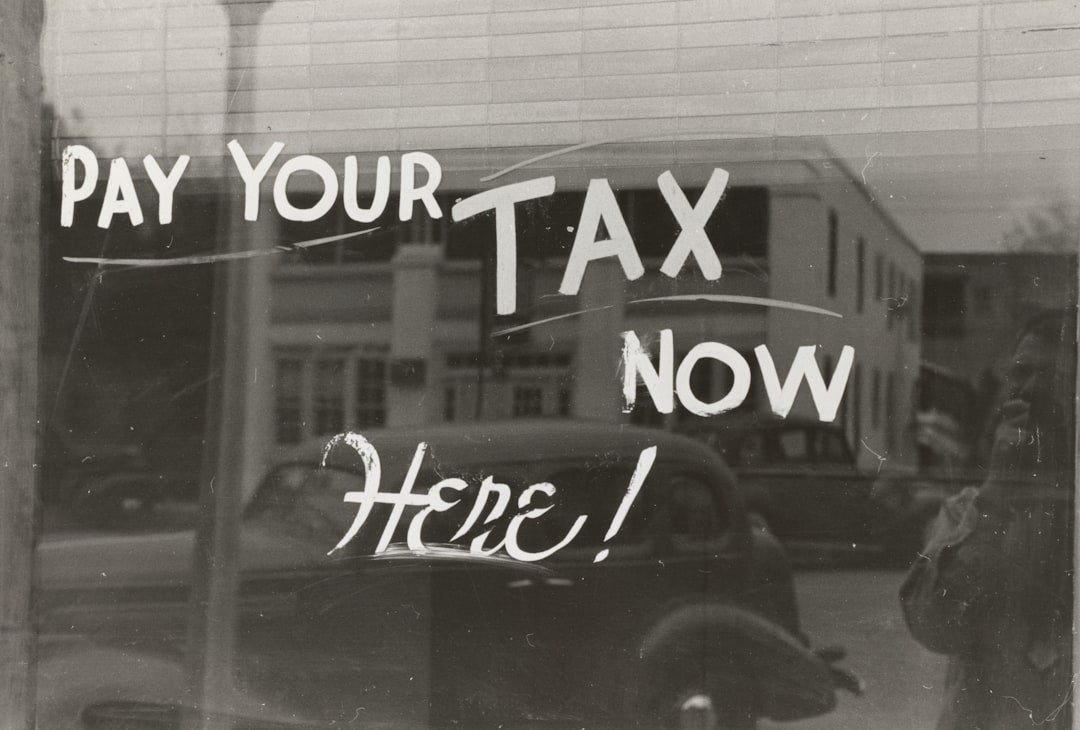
(800, 480)
(691, 611)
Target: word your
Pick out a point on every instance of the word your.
(664, 382)
(490, 491)
(121, 197)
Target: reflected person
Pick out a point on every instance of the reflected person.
(992, 588)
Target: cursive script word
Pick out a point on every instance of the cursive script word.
(491, 503)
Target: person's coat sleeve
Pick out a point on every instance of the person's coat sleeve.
(955, 575)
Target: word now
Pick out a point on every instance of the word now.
(664, 382)
(121, 197)
(490, 491)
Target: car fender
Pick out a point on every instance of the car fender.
(76, 677)
(787, 680)
(71, 679)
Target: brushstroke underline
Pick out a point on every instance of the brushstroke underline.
(719, 298)
(216, 257)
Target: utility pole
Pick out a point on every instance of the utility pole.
(20, 158)
(233, 356)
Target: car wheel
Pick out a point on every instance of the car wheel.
(685, 700)
(758, 521)
(702, 709)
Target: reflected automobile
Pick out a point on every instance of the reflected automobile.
(692, 613)
(800, 481)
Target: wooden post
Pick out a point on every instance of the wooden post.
(20, 158)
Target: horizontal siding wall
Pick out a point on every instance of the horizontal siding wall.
(342, 76)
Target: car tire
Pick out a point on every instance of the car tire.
(689, 694)
(695, 707)
(758, 521)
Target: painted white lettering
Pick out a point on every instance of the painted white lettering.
(410, 193)
(826, 399)
(165, 184)
(379, 197)
(658, 380)
(739, 388)
(600, 205)
(692, 219)
(70, 193)
(502, 200)
(305, 163)
(253, 177)
(120, 196)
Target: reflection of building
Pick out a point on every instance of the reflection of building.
(387, 330)
(973, 305)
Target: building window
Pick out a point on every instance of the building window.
(288, 390)
(564, 401)
(860, 274)
(528, 401)
(913, 311)
(329, 396)
(891, 415)
(892, 304)
(449, 403)
(370, 392)
(739, 226)
(943, 305)
(875, 400)
(879, 277)
(856, 405)
(334, 392)
(834, 234)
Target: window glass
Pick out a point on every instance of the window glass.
(752, 450)
(792, 445)
(190, 314)
(831, 448)
(587, 490)
(290, 373)
(696, 515)
(329, 385)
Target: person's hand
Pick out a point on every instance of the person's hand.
(1014, 457)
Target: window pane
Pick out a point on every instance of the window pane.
(288, 394)
(329, 396)
(370, 392)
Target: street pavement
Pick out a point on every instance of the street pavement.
(859, 610)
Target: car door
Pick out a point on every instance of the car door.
(590, 611)
(415, 639)
(776, 461)
(705, 550)
(843, 488)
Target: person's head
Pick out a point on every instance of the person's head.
(1042, 373)
(1043, 368)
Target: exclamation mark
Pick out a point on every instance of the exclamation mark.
(644, 464)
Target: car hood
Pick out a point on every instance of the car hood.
(104, 561)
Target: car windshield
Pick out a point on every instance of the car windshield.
(687, 338)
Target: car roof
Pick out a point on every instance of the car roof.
(753, 421)
(512, 441)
